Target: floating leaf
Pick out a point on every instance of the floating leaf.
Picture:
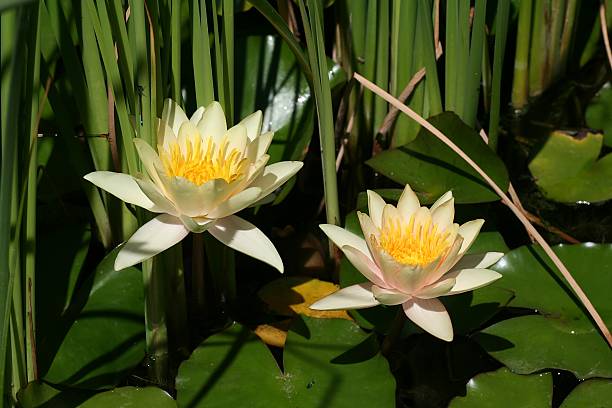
(327, 362)
(598, 114)
(591, 393)
(567, 168)
(292, 295)
(503, 388)
(273, 334)
(128, 397)
(432, 168)
(96, 346)
(41, 395)
(562, 335)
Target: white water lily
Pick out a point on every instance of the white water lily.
(411, 255)
(201, 175)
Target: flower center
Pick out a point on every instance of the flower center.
(413, 244)
(200, 164)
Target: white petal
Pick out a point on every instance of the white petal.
(431, 316)
(165, 135)
(365, 265)
(276, 174)
(236, 203)
(196, 225)
(421, 216)
(408, 203)
(259, 146)
(237, 138)
(187, 133)
(444, 214)
(440, 288)
(213, 122)
(471, 261)
(469, 231)
(376, 204)
(341, 237)
(443, 198)
(154, 237)
(122, 186)
(193, 200)
(197, 116)
(390, 216)
(173, 115)
(150, 161)
(470, 279)
(446, 263)
(352, 297)
(162, 204)
(371, 233)
(252, 123)
(244, 237)
(389, 297)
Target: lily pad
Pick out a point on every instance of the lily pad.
(101, 337)
(561, 335)
(503, 388)
(327, 362)
(432, 168)
(598, 114)
(128, 397)
(591, 393)
(42, 395)
(568, 168)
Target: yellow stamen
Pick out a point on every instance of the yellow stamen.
(200, 164)
(413, 244)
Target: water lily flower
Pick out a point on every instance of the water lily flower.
(201, 175)
(411, 255)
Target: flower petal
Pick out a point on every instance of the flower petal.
(376, 204)
(259, 146)
(431, 316)
(237, 138)
(471, 261)
(341, 238)
(197, 116)
(443, 198)
(122, 186)
(236, 203)
(213, 122)
(444, 214)
(439, 288)
(151, 190)
(469, 231)
(352, 297)
(173, 115)
(150, 160)
(470, 279)
(408, 203)
(165, 135)
(389, 297)
(196, 225)
(371, 234)
(244, 237)
(365, 265)
(253, 123)
(193, 200)
(276, 174)
(154, 237)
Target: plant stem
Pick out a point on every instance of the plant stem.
(155, 320)
(538, 63)
(501, 30)
(520, 86)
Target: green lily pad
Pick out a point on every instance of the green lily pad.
(268, 77)
(128, 397)
(502, 388)
(561, 335)
(327, 362)
(592, 393)
(101, 337)
(432, 168)
(598, 114)
(42, 395)
(568, 168)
